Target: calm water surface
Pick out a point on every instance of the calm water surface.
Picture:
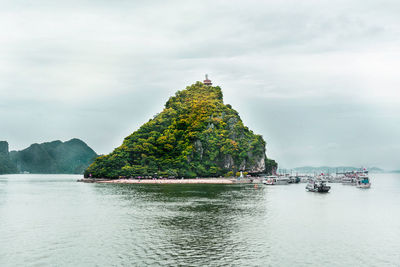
(51, 220)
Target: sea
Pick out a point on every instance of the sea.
(52, 220)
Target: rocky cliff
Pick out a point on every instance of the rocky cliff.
(195, 135)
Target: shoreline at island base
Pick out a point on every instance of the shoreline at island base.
(172, 181)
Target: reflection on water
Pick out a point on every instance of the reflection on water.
(52, 220)
(190, 224)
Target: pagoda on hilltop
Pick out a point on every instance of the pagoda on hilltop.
(207, 81)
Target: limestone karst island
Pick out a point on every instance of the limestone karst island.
(195, 136)
(55, 157)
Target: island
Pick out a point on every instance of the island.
(195, 136)
(56, 157)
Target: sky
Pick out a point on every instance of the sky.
(318, 79)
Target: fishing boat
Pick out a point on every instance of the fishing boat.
(318, 186)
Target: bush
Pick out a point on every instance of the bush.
(229, 174)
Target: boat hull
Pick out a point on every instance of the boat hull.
(365, 186)
(268, 183)
(319, 190)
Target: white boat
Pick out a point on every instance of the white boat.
(324, 177)
(358, 178)
(276, 180)
(270, 180)
(363, 181)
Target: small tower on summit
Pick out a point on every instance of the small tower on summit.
(207, 81)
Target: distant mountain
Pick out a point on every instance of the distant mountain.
(6, 165)
(375, 170)
(327, 169)
(73, 156)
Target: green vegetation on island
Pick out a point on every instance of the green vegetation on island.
(196, 135)
(72, 156)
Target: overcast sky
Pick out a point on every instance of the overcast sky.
(318, 79)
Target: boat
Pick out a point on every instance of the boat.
(338, 178)
(270, 180)
(294, 179)
(348, 180)
(318, 186)
(324, 177)
(305, 178)
(363, 181)
(282, 180)
(358, 178)
(276, 180)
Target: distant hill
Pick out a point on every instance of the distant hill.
(73, 156)
(375, 170)
(327, 169)
(6, 165)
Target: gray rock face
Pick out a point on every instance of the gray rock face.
(228, 162)
(256, 165)
(259, 165)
